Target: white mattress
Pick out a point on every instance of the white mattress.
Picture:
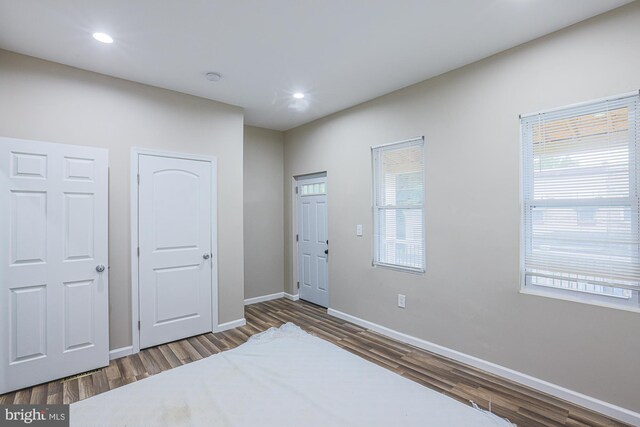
(281, 377)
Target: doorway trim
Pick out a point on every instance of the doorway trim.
(135, 296)
(294, 230)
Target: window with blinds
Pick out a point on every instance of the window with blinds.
(581, 210)
(398, 187)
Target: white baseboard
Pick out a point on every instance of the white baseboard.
(580, 399)
(295, 297)
(126, 351)
(263, 298)
(120, 352)
(230, 325)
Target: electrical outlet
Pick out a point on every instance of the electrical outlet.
(402, 299)
(359, 230)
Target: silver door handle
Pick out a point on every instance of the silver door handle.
(206, 256)
(100, 268)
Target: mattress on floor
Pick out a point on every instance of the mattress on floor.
(281, 377)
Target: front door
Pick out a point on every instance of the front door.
(313, 241)
(54, 305)
(175, 264)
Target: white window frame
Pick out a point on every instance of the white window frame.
(631, 304)
(375, 208)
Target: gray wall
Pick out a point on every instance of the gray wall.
(263, 216)
(469, 298)
(45, 101)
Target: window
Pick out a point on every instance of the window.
(313, 189)
(398, 187)
(581, 212)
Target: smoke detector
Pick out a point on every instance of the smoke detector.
(213, 76)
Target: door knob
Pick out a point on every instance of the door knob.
(100, 268)
(326, 251)
(206, 256)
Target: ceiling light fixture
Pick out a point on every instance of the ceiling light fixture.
(213, 77)
(102, 37)
(298, 95)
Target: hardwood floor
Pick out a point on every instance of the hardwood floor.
(521, 405)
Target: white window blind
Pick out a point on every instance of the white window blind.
(580, 198)
(398, 180)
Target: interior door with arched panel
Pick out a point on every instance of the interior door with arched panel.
(175, 247)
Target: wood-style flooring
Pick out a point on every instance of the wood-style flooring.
(521, 405)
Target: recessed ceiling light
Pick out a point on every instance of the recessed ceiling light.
(102, 37)
(298, 95)
(213, 77)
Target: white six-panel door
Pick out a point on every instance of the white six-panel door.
(313, 243)
(53, 260)
(175, 262)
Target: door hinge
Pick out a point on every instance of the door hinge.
(138, 179)
(298, 285)
(138, 325)
(138, 250)
(296, 237)
(296, 189)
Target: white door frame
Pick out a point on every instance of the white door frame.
(294, 230)
(135, 307)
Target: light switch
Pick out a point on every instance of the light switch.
(359, 230)
(402, 301)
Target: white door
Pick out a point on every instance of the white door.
(313, 242)
(54, 305)
(175, 263)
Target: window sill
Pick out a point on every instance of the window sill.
(398, 268)
(556, 295)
